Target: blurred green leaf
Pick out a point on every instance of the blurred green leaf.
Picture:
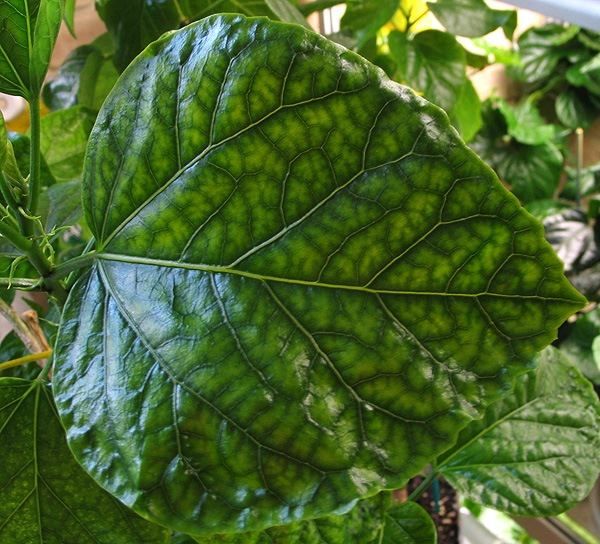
(471, 18)
(433, 63)
(574, 108)
(525, 124)
(466, 113)
(364, 18)
(586, 74)
(532, 171)
(64, 136)
(542, 48)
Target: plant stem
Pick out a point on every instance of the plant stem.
(35, 158)
(24, 360)
(16, 238)
(579, 134)
(423, 486)
(20, 283)
(69, 266)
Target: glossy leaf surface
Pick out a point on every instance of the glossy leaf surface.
(535, 452)
(371, 522)
(46, 496)
(304, 284)
(29, 30)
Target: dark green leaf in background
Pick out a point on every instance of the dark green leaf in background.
(211, 369)
(574, 109)
(62, 91)
(28, 30)
(435, 65)
(535, 452)
(85, 78)
(532, 171)
(586, 74)
(581, 344)
(136, 23)
(46, 496)
(471, 18)
(542, 48)
(364, 18)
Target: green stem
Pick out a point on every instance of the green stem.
(423, 486)
(24, 360)
(19, 283)
(69, 266)
(35, 158)
(16, 238)
(318, 5)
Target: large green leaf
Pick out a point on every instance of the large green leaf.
(532, 171)
(27, 35)
(535, 452)
(470, 18)
(46, 496)
(136, 23)
(373, 521)
(432, 62)
(305, 284)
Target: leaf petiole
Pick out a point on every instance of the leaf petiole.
(25, 360)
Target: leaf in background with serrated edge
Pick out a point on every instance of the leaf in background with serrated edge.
(470, 18)
(305, 283)
(46, 496)
(29, 30)
(435, 65)
(534, 453)
(532, 171)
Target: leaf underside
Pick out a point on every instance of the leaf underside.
(305, 284)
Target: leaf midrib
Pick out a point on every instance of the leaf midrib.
(216, 269)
